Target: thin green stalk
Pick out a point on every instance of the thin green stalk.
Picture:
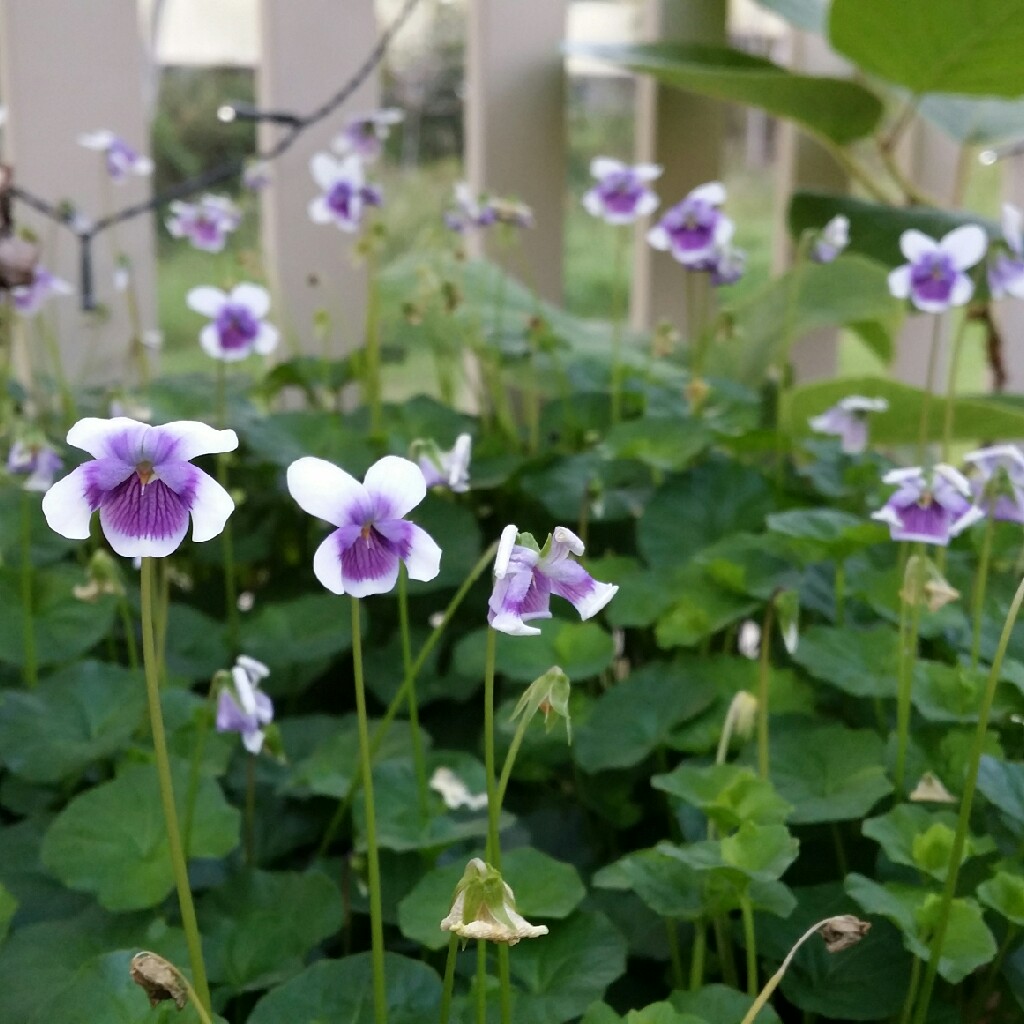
(195, 767)
(700, 943)
(250, 810)
(915, 981)
(981, 995)
(230, 589)
(449, 979)
(481, 981)
(622, 238)
(954, 366)
(763, 678)
(750, 940)
(505, 982)
(414, 711)
(675, 956)
(380, 998)
(372, 381)
(837, 842)
(908, 660)
(980, 586)
(840, 589)
(128, 628)
(724, 946)
(163, 767)
(926, 398)
(163, 614)
(28, 629)
(957, 851)
(493, 808)
(67, 400)
(510, 759)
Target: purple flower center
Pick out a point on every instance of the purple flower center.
(932, 277)
(142, 506)
(339, 199)
(206, 228)
(120, 158)
(691, 225)
(236, 326)
(620, 192)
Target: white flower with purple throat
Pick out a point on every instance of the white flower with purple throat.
(1006, 268)
(525, 577)
(29, 299)
(621, 194)
(361, 555)
(346, 194)
(934, 279)
(242, 707)
(848, 420)
(833, 239)
(365, 135)
(142, 482)
(121, 159)
(998, 481)
(695, 229)
(205, 224)
(931, 506)
(445, 469)
(36, 461)
(237, 327)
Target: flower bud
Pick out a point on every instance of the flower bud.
(549, 694)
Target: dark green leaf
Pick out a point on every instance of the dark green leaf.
(817, 534)
(860, 662)
(717, 1003)
(975, 122)
(1002, 783)
(727, 794)
(1004, 893)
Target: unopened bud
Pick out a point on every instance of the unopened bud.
(159, 979)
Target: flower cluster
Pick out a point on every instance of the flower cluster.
(445, 469)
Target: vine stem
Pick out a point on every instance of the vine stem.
(750, 938)
(414, 709)
(28, 629)
(163, 768)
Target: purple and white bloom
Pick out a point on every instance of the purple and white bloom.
(446, 469)
(934, 278)
(468, 210)
(205, 224)
(834, 238)
(848, 420)
(256, 175)
(121, 159)
(526, 576)
(36, 461)
(141, 480)
(695, 229)
(999, 481)
(928, 506)
(360, 557)
(30, 298)
(365, 135)
(1006, 268)
(726, 265)
(238, 328)
(621, 194)
(346, 192)
(242, 707)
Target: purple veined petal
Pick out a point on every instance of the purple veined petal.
(144, 521)
(184, 440)
(930, 524)
(67, 508)
(266, 340)
(326, 491)
(914, 244)
(965, 244)
(325, 170)
(369, 563)
(971, 515)
(419, 551)
(105, 438)
(899, 282)
(257, 299)
(230, 716)
(588, 596)
(395, 486)
(602, 166)
(504, 553)
(207, 301)
(211, 506)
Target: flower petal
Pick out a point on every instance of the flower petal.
(326, 491)
(144, 521)
(325, 170)
(211, 506)
(252, 296)
(209, 342)
(66, 507)
(368, 565)
(395, 486)
(914, 244)
(602, 166)
(648, 172)
(899, 282)
(963, 289)
(658, 238)
(327, 564)
(713, 192)
(266, 340)
(504, 553)
(190, 439)
(94, 435)
(966, 244)
(319, 211)
(206, 300)
(423, 561)
(99, 140)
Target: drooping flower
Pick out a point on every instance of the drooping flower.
(30, 298)
(36, 461)
(366, 134)
(934, 278)
(1006, 267)
(694, 229)
(833, 239)
(205, 224)
(932, 507)
(999, 481)
(346, 192)
(142, 482)
(621, 194)
(121, 159)
(848, 420)
(526, 576)
(445, 469)
(484, 907)
(360, 557)
(242, 707)
(238, 328)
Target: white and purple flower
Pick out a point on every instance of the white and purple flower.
(121, 159)
(695, 229)
(445, 469)
(142, 482)
(205, 224)
(346, 192)
(467, 210)
(526, 576)
(365, 135)
(1006, 268)
(848, 420)
(36, 461)
(256, 175)
(242, 707)
(621, 195)
(833, 239)
(934, 278)
(29, 299)
(999, 483)
(361, 556)
(238, 328)
(929, 506)
(725, 266)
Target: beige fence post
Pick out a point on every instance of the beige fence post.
(309, 49)
(68, 68)
(1009, 312)
(516, 121)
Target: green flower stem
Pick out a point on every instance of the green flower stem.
(954, 366)
(499, 393)
(481, 981)
(750, 939)
(250, 810)
(926, 398)
(195, 767)
(493, 808)
(163, 614)
(980, 586)
(840, 589)
(163, 767)
(129, 632)
(505, 980)
(449, 979)
(28, 629)
(957, 851)
(380, 998)
(674, 954)
(622, 237)
(371, 379)
(908, 659)
(915, 981)
(510, 759)
(230, 589)
(700, 943)
(724, 946)
(763, 678)
(414, 710)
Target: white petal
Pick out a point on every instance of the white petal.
(65, 506)
(963, 289)
(504, 553)
(325, 490)
(914, 244)
(100, 140)
(713, 192)
(253, 741)
(244, 690)
(319, 211)
(596, 600)
(142, 166)
(206, 300)
(513, 626)
(563, 535)
(211, 507)
(266, 340)
(602, 166)
(128, 546)
(724, 232)
(325, 170)
(424, 559)
(255, 298)
(647, 172)
(1013, 227)
(327, 566)
(398, 482)
(657, 238)
(899, 282)
(193, 438)
(647, 203)
(209, 341)
(593, 205)
(954, 477)
(92, 433)
(351, 170)
(965, 244)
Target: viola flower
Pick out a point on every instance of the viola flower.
(121, 159)
(934, 278)
(242, 707)
(205, 224)
(695, 229)
(467, 210)
(446, 469)
(932, 507)
(256, 175)
(621, 194)
(1006, 269)
(365, 135)
(346, 192)
(237, 329)
(834, 238)
(360, 557)
(141, 480)
(999, 483)
(509, 212)
(526, 577)
(848, 420)
(36, 461)
(484, 907)
(30, 298)
(726, 266)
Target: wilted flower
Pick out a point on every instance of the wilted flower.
(141, 480)
(365, 135)
(346, 192)
(930, 790)
(121, 159)
(205, 224)
(445, 469)
(361, 556)
(238, 329)
(30, 298)
(833, 239)
(36, 461)
(848, 420)
(484, 907)
(621, 194)
(934, 278)
(242, 707)
(526, 577)
(1006, 268)
(549, 695)
(159, 979)
(694, 230)
(455, 792)
(928, 506)
(999, 483)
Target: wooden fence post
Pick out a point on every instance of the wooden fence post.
(1009, 312)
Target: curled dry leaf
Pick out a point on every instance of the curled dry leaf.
(159, 979)
(842, 932)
